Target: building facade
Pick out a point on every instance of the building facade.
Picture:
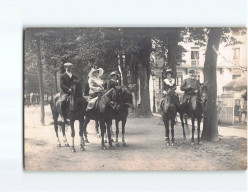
(229, 56)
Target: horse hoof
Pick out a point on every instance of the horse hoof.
(103, 147)
(58, 145)
(117, 145)
(124, 144)
(200, 143)
(172, 144)
(168, 143)
(87, 141)
(67, 145)
(105, 141)
(82, 148)
(111, 147)
(112, 141)
(73, 150)
(184, 138)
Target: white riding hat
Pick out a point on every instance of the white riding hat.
(99, 70)
(68, 64)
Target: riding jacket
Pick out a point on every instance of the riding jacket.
(189, 85)
(111, 84)
(169, 84)
(66, 82)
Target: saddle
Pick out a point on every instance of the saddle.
(92, 103)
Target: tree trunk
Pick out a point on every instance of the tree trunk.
(210, 125)
(144, 75)
(173, 39)
(123, 70)
(55, 81)
(41, 88)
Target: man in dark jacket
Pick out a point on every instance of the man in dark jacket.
(189, 86)
(66, 81)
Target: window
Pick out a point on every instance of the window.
(194, 56)
(235, 76)
(236, 55)
(179, 80)
(158, 83)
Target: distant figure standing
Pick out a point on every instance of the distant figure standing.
(237, 111)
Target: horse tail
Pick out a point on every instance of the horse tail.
(53, 108)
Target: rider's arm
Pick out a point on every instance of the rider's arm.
(184, 86)
(91, 85)
(63, 87)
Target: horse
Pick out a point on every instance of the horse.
(75, 110)
(104, 112)
(194, 110)
(169, 112)
(125, 98)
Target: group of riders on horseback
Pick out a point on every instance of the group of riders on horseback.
(107, 101)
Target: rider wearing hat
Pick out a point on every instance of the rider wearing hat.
(95, 85)
(190, 85)
(66, 81)
(169, 86)
(113, 81)
(95, 82)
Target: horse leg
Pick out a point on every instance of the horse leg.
(167, 136)
(84, 126)
(182, 123)
(81, 132)
(193, 129)
(97, 128)
(123, 131)
(56, 130)
(109, 123)
(117, 132)
(198, 129)
(63, 131)
(172, 131)
(103, 129)
(72, 136)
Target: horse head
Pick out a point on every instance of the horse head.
(125, 96)
(76, 94)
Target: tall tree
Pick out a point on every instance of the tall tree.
(210, 125)
(144, 72)
(41, 87)
(173, 39)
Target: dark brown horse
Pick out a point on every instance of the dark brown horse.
(125, 98)
(102, 112)
(169, 112)
(194, 110)
(75, 110)
(105, 112)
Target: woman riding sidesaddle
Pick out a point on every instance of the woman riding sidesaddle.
(95, 86)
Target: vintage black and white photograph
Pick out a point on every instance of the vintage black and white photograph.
(135, 99)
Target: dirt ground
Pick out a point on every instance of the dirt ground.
(145, 148)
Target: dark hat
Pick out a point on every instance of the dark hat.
(191, 70)
(169, 70)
